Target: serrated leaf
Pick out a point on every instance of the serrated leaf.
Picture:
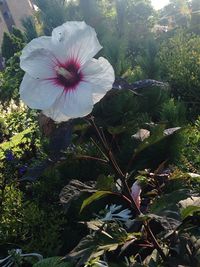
(94, 197)
(83, 250)
(73, 190)
(96, 244)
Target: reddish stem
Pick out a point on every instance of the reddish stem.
(126, 188)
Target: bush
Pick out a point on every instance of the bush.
(191, 150)
(181, 67)
(12, 43)
(11, 78)
(173, 113)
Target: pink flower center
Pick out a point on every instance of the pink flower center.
(68, 75)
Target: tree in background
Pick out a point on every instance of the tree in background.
(12, 75)
(30, 28)
(11, 78)
(12, 43)
(90, 11)
(148, 60)
(51, 14)
(122, 26)
(18, 34)
(176, 14)
(195, 19)
(179, 56)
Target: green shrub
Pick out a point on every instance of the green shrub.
(191, 150)
(173, 113)
(30, 28)
(12, 43)
(10, 80)
(180, 59)
(11, 214)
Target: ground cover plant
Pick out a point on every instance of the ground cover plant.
(99, 148)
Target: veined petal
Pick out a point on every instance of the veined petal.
(100, 74)
(56, 115)
(66, 30)
(76, 40)
(37, 43)
(39, 64)
(78, 102)
(43, 43)
(72, 104)
(38, 94)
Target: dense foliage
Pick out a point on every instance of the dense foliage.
(62, 185)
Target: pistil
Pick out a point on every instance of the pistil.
(64, 73)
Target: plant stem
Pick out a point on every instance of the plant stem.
(91, 158)
(154, 241)
(126, 188)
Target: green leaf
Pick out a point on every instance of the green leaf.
(94, 225)
(83, 251)
(189, 211)
(116, 130)
(97, 195)
(105, 183)
(14, 141)
(189, 206)
(94, 245)
(52, 262)
(168, 202)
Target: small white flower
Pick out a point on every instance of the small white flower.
(122, 216)
(62, 78)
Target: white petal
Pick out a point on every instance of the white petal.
(43, 43)
(135, 193)
(39, 64)
(37, 43)
(56, 115)
(100, 74)
(66, 30)
(77, 40)
(78, 102)
(38, 94)
(72, 104)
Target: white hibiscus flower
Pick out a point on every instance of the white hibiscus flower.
(62, 78)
